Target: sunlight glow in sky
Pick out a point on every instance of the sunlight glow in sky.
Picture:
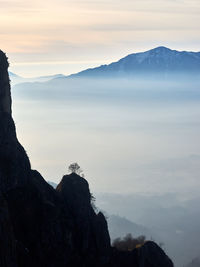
(64, 36)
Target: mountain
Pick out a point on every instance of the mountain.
(54, 185)
(42, 226)
(120, 226)
(13, 75)
(171, 219)
(15, 79)
(160, 60)
(194, 263)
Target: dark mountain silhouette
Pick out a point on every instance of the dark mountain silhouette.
(120, 226)
(41, 226)
(160, 60)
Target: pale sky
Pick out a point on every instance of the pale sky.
(65, 36)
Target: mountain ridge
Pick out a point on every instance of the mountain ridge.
(16, 79)
(154, 62)
(160, 59)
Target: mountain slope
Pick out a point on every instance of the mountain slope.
(120, 226)
(160, 61)
(157, 60)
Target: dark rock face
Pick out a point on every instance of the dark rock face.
(40, 229)
(41, 226)
(5, 98)
(150, 254)
(14, 162)
(8, 251)
(91, 230)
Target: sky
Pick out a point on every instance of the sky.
(66, 36)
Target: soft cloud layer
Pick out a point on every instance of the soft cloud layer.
(59, 30)
(145, 139)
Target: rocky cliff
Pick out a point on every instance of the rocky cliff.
(5, 97)
(41, 226)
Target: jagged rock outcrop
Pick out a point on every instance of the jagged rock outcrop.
(42, 229)
(148, 255)
(91, 236)
(41, 226)
(5, 97)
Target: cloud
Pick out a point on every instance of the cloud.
(138, 27)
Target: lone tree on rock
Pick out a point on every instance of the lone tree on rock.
(75, 168)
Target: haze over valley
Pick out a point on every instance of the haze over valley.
(125, 125)
(99, 133)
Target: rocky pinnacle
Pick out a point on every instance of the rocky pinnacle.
(5, 97)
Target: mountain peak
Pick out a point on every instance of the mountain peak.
(160, 61)
(161, 48)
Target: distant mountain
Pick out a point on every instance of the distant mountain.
(157, 62)
(194, 263)
(13, 75)
(120, 226)
(54, 185)
(160, 60)
(15, 79)
(166, 218)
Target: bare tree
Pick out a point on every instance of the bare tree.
(75, 168)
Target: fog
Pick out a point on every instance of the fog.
(141, 135)
(137, 142)
(168, 218)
